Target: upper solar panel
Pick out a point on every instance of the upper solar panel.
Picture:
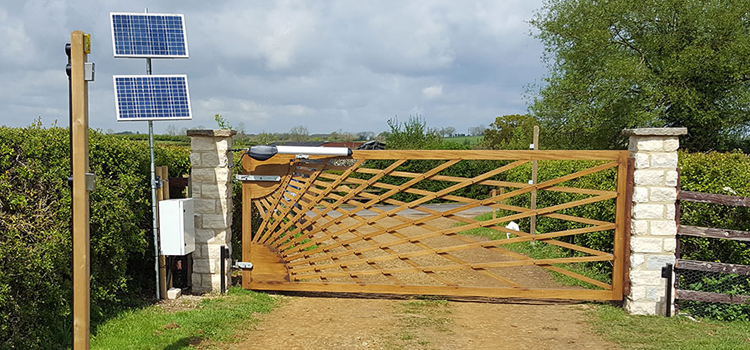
(152, 97)
(148, 35)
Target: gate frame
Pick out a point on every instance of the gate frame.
(269, 264)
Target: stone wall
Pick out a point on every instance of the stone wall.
(653, 226)
(211, 181)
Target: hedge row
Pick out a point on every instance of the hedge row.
(35, 245)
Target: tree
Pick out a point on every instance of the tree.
(448, 131)
(365, 135)
(298, 133)
(221, 122)
(477, 130)
(622, 64)
(412, 134)
(513, 131)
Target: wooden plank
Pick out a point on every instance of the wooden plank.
(247, 229)
(709, 232)
(499, 292)
(713, 267)
(159, 172)
(627, 233)
(713, 198)
(710, 297)
(81, 210)
(486, 155)
(618, 270)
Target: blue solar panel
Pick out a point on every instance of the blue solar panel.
(149, 35)
(152, 97)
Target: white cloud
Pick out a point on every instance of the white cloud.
(432, 91)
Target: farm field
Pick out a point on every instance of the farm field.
(465, 140)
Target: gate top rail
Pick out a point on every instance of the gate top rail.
(485, 154)
(713, 198)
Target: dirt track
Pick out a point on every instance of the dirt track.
(337, 323)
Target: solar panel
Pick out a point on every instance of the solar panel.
(149, 35)
(152, 97)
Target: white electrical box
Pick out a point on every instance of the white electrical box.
(176, 226)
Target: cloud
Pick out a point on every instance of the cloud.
(325, 65)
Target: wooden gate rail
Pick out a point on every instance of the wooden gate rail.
(709, 232)
(336, 225)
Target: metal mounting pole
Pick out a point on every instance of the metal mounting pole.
(153, 194)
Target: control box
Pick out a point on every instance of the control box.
(177, 226)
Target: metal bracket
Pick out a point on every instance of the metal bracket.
(245, 265)
(258, 178)
(90, 182)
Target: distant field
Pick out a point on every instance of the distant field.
(470, 140)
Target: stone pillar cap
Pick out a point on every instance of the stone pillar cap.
(212, 133)
(653, 132)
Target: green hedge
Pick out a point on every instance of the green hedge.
(35, 245)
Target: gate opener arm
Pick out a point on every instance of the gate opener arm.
(244, 265)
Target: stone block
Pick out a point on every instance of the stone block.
(638, 292)
(195, 161)
(656, 262)
(636, 260)
(223, 175)
(215, 221)
(663, 194)
(220, 238)
(670, 245)
(663, 228)
(649, 177)
(640, 307)
(198, 252)
(203, 175)
(639, 244)
(201, 266)
(642, 160)
(214, 191)
(671, 178)
(213, 160)
(174, 293)
(644, 211)
(646, 278)
(202, 144)
(655, 294)
(639, 227)
(204, 235)
(640, 194)
(670, 212)
(671, 144)
(664, 160)
(649, 144)
(204, 205)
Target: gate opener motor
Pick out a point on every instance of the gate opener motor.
(266, 152)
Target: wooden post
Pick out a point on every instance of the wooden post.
(247, 229)
(494, 213)
(80, 144)
(532, 227)
(162, 261)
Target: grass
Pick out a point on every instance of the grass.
(653, 332)
(417, 320)
(541, 250)
(214, 319)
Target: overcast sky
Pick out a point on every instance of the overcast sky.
(272, 65)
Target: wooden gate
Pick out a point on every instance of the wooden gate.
(408, 222)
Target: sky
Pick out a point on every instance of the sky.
(328, 66)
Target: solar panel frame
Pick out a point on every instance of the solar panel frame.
(148, 35)
(145, 97)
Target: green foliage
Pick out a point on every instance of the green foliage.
(513, 131)
(722, 173)
(414, 134)
(621, 64)
(176, 139)
(35, 214)
(221, 122)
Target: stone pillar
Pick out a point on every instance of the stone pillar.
(211, 180)
(653, 227)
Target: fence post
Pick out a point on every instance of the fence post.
(653, 227)
(211, 182)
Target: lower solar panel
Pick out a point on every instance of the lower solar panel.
(152, 97)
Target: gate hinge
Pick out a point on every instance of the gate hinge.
(245, 265)
(257, 178)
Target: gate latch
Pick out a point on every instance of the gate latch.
(258, 178)
(245, 265)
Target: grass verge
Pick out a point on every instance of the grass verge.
(541, 250)
(653, 332)
(213, 319)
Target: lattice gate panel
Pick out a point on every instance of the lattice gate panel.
(413, 222)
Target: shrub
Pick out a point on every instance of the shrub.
(35, 214)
